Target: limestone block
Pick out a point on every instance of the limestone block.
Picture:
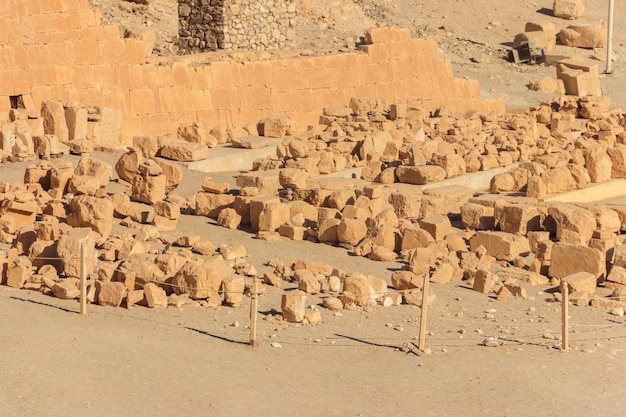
(406, 204)
(276, 127)
(406, 280)
(148, 189)
(483, 281)
(351, 231)
(293, 306)
(478, 216)
(420, 175)
(584, 35)
(453, 164)
(110, 293)
(148, 145)
(95, 213)
(573, 224)
(568, 9)
(54, 121)
(127, 165)
(618, 161)
(273, 215)
(18, 272)
(501, 245)
(293, 178)
(107, 130)
(518, 218)
(414, 236)
(76, 119)
(266, 181)
(83, 184)
(581, 281)
(22, 213)
(199, 281)
(155, 296)
(558, 180)
(180, 150)
(438, 226)
(567, 259)
(598, 163)
(95, 168)
(233, 287)
(229, 218)
(67, 289)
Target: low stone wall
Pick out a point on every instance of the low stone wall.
(57, 50)
(255, 25)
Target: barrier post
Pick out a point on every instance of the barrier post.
(424, 312)
(83, 279)
(565, 315)
(254, 307)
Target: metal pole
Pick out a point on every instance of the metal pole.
(609, 43)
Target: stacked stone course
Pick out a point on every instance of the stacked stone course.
(235, 24)
(57, 50)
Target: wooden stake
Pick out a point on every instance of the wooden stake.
(83, 279)
(565, 315)
(422, 336)
(254, 307)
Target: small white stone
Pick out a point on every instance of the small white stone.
(276, 345)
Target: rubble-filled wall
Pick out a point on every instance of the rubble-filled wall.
(235, 24)
(56, 50)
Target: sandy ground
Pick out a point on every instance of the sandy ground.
(196, 361)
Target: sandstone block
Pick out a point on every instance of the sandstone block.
(199, 281)
(127, 165)
(518, 218)
(478, 216)
(276, 127)
(229, 218)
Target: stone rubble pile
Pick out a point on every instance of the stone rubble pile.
(496, 243)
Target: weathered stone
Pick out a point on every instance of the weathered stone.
(199, 281)
(95, 213)
(351, 231)
(568, 9)
(581, 281)
(233, 287)
(483, 281)
(155, 296)
(293, 306)
(127, 165)
(573, 224)
(438, 226)
(94, 168)
(478, 216)
(180, 150)
(518, 218)
(567, 259)
(110, 293)
(210, 205)
(420, 175)
(503, 246)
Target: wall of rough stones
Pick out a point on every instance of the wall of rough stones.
(57, 50)
(256, 25)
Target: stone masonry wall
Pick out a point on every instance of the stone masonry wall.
(235, 24)
(57, 50)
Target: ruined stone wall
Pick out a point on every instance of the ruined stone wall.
(56, 49)
(255, 25)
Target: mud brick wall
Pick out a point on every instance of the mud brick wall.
(255, 25)
(57, 49)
